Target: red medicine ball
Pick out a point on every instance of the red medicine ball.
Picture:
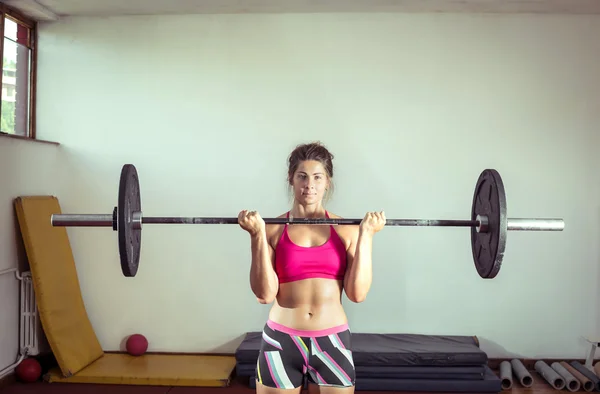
(29, 370)
(136, 345)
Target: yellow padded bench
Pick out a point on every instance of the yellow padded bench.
(68, 329)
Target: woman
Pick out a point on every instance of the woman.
(303, 269)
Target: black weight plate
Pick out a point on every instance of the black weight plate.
(129, 237)
(488, 247)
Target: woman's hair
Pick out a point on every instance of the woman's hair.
(311, 151)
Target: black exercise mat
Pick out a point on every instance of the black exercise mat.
(490, 384)
(394, 349)
(398, 372)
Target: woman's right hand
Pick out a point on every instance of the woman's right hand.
(251, 222)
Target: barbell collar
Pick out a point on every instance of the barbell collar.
(137, 220)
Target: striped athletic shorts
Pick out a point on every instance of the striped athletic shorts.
(288, 355)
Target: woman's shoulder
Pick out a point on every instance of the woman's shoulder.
(333, 215)
(274, 230)
(277, 226)
(347, 232)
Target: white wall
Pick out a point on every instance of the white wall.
(413, 106)
(28, 168)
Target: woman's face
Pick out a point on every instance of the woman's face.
(310, 182)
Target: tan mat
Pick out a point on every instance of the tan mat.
(154, 369)
(67, 326)
(56, 284)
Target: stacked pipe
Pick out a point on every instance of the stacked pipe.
(571, 376)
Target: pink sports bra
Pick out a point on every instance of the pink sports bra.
(294, 262)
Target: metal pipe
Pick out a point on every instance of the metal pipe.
(15, 270)
(7, 271)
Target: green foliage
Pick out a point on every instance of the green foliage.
(7, 108)
(7, 119)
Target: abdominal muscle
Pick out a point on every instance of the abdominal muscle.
(309, 304)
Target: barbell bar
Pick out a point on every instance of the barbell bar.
(103, 220)
(488, 223)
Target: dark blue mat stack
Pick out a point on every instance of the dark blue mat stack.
(403, 362)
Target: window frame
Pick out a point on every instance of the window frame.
(7, 11)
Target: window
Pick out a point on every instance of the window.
(17, 51)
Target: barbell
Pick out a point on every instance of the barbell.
(488, 222)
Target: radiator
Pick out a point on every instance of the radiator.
(32, 340)
(31, 334)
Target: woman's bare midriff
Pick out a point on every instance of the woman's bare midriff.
(309, 304)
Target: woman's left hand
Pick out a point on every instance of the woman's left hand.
(372, 222)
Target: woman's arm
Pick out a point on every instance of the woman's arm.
(359, 273)
(263, 279)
